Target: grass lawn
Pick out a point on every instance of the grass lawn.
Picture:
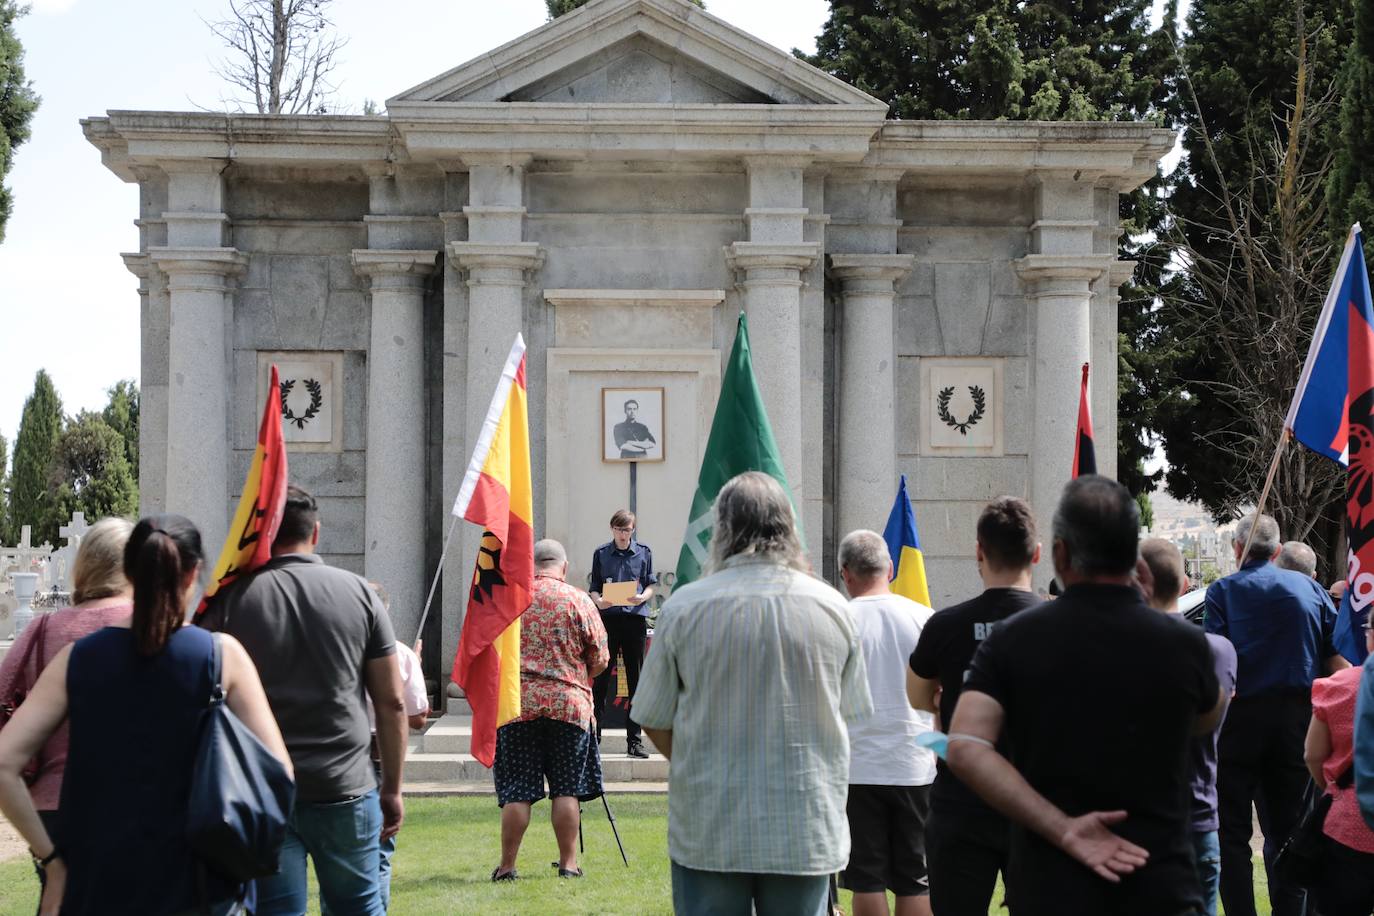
(450, 845)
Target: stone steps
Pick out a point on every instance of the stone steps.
(438, 762)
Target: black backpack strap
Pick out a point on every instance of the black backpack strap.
(216, 669)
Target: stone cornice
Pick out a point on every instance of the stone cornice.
(1119, 155)
(821, 133)
(1056, 275)
(677, 298)
(208, 269)
(394, 267)
(226, 261)
(498, 263)
(871, 272)
(767, 256)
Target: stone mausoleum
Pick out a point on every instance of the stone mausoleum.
(618, 185)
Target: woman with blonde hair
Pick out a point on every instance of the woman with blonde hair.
(101, 596)
(134, 694)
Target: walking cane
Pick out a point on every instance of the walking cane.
(611, 818)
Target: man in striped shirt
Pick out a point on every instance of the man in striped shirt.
(754, 673)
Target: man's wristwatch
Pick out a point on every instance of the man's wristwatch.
(44, 861)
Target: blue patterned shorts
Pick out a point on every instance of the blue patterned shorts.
(530, 751)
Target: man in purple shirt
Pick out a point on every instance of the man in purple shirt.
(1165, 564)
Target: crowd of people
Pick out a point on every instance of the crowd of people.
(1097, 751)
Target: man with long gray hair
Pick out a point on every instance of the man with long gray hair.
(753, 674)
(1281, 623)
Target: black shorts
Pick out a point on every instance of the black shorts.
(887, 826)
(530, 751)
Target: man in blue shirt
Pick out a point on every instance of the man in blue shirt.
(623, 560)
(1281, 624)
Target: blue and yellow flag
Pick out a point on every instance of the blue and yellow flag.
(904, 546)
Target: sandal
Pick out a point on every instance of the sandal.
(567, 872)
(497, 875)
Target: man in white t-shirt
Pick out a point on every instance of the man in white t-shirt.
(889, 777)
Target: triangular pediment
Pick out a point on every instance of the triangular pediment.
(637, 51)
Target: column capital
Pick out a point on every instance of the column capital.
(1059, 275)
(767, 263)
(140, 265)
(199, 268)
(394, 267)
(496, 264)
(877, 273)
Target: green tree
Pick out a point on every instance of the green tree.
(1248, 226)
(6, 539)
(563, 7)
(121, 414)
(40, 425)
(89, 471)
(1049, 60)
(18, 101)
(1350, 190)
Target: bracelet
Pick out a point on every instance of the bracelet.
(44, 861)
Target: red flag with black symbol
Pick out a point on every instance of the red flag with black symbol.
(1084, 452)
(249, 543)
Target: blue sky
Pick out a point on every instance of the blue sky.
(66, 302)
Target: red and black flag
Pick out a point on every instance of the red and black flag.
(1084, 453)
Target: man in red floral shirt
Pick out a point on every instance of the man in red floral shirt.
(562, 647)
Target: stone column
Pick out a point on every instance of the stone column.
(1061, 288)
(867, 381)
(394, 507)
(769, 268)
(199, 281)
(152, 384)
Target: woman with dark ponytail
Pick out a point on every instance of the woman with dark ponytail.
(133, 695)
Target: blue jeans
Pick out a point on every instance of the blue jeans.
(723, 893)
(1207, 852)
(343, 840)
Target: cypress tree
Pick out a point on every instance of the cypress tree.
(31, 500)
(121, 414)
(6, 539)
(1350, 191)
(17, 99)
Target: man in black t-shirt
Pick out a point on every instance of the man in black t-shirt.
(966, 841)
(1099, 696)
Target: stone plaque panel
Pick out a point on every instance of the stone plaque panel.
(962, 407)
(312, 397)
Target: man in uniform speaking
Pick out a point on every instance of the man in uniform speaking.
(631, 436)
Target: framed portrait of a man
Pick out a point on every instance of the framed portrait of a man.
(632, 424)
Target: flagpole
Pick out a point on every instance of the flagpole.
(419, 631)
(1264, 493)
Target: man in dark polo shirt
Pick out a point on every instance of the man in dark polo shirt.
(1281, 623)
(319, 636)
(623, 559)
(1099, 695)
(966, 841)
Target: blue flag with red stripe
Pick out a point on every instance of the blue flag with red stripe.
(1333, 415)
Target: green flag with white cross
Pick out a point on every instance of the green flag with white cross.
(741, 440)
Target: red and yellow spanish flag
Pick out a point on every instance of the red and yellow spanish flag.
(249, 544)
(498, 495)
